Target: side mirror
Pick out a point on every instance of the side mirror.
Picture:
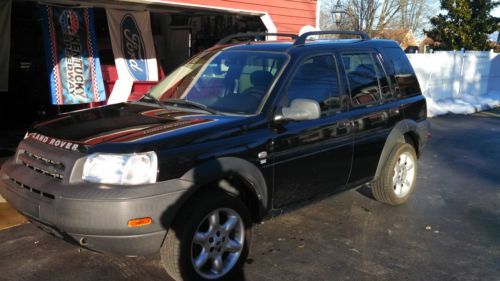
(299, 110)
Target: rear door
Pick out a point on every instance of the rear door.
(371, 99)
(313, 157)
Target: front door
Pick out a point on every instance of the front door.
(313, 157)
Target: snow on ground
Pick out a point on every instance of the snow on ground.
(465, 105)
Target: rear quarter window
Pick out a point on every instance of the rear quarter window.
(404, 76)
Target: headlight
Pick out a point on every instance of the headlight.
(127, 169)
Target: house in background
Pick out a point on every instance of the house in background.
(427, 45)
(404, 37)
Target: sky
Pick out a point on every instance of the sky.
(496, 12)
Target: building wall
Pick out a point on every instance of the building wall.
(287, 15)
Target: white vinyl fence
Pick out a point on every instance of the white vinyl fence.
(458, 82)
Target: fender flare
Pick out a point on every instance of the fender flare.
(401, 128)
(218, 168)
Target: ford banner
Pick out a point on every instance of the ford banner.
(72, 55)
(133, 48)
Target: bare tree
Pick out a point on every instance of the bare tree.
(373, 16)
(369, 16)
(388, 12)
(361, 14)
(412, 14)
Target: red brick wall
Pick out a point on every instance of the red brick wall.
(287, 15)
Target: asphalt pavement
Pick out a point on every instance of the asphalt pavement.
(449, 230)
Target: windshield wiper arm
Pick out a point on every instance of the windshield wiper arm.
(193, 104)
(151, 97)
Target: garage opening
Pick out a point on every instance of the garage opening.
(178, 34)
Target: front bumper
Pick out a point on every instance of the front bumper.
(92, 215)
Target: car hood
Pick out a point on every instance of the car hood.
(125, 122)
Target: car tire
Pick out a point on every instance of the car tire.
(201, 245)
(397, 179)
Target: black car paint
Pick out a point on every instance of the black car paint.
(342, 149)
(311, 157)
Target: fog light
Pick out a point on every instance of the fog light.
(140, 222)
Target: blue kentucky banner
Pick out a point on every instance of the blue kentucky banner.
(72, 55)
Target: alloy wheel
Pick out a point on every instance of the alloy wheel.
(404, 174)
(217, 243)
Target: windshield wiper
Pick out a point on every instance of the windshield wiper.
(152, 98)
(182, 102)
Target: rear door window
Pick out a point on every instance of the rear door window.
(385, 86)
(362, 78)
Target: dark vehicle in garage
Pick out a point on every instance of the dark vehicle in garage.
(235, 134)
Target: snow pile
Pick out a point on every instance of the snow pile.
(458, 82)
(465, 105)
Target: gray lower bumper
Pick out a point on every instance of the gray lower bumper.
(88, 214)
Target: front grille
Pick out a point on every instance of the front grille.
(43, 159)
(33, 190)
(42, 165)
(41, 171)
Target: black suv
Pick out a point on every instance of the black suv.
(236, 133)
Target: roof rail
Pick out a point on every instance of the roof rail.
(228, 39)
(302, 39)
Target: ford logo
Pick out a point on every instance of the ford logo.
(69, 22)
(133, 48)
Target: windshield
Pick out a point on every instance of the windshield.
(225, 81)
